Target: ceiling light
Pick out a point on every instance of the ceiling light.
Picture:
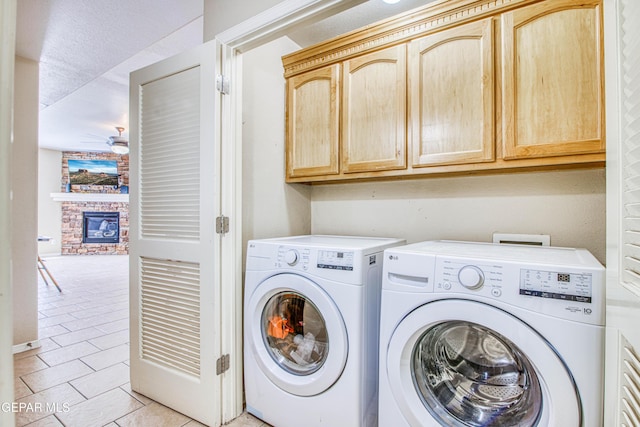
(119, 144)
(391, 1)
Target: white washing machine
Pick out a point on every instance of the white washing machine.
(311, 318)
(476, 334)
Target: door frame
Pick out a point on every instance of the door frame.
(254, 32)
(7, 55)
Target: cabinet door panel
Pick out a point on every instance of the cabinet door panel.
(451, 96)
(312, 123)
(552, 80)
(374, 111)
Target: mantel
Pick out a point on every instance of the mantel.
(90, 197)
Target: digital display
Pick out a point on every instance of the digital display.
(335, 260)
(550, 284)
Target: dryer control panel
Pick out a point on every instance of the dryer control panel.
(305, 258)
(293, 257)
(335, 260)
(342, 259)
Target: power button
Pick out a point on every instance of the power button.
(496, 292)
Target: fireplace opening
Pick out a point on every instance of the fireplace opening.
(101, 227)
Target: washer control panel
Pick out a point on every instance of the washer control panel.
(461, 275)
(569, 292)
(565, 283)
(471, 277)
(556, 285)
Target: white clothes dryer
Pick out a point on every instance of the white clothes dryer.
(311, 319)
(478, 334)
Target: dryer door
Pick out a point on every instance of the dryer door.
(465, 363)
(297, 334)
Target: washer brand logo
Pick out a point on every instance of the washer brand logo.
(372, 259)
(393, 257)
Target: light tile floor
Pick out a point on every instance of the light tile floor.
(79, 376)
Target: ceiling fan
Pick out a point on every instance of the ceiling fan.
(118, 144)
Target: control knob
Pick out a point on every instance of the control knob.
(471, 277)
(291, 257)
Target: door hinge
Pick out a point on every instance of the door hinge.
(222, 84)
(222, 364)
(222, 224)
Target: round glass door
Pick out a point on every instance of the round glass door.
(295, 333)
(476, 376)
(462, 363)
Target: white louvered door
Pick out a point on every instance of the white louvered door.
(622, 374)
(174, 248)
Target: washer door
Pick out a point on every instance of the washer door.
(298, 336)
(465, 363)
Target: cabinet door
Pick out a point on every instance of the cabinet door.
(312, 123)
(451, 96)
(552, 79)
(374, 111)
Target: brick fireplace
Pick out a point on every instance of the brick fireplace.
(77, 200)
(101, 227)
(72, 228)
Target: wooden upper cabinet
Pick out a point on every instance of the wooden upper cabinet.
(552, 79)
(458, 86)
(313, 122)
(374, 111)
(452, 96)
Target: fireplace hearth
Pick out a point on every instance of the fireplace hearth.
(101, 227)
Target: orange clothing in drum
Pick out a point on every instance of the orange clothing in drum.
(279, 327)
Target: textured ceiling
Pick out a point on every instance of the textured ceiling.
(87, 48)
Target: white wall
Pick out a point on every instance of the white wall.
(568, 205)
(271, 208)
(220, 15)
(25, 202)
(49, 212)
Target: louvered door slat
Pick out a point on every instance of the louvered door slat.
(183, 346)
(630, 103)
(629, 385)
(170, 296)
(180, 183)
(178, 304)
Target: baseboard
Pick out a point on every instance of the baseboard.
(19, 348)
